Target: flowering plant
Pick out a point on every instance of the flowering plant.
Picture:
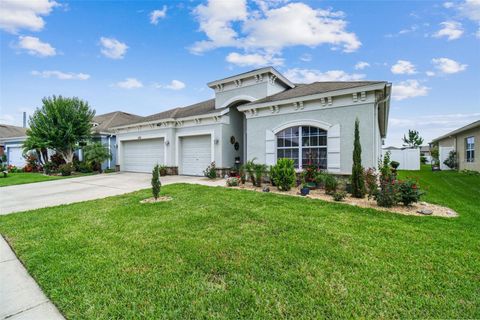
(233, 181)
(408, 192)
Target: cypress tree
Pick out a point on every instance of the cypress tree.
(358, 180)
(156, 184)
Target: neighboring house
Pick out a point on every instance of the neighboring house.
(102, 132)
(425, 152)
(262, 115)
(11, 141)
(466, 142)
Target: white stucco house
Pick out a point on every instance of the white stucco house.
(261, 114)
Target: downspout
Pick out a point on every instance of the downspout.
(376, 119)
(110, 150)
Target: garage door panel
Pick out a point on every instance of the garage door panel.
(15, 156)
(196, 154)
(142, 155)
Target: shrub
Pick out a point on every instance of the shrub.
(260, 170)
(96, 153)
(233, 182)
(386, 195)
(211, 171)
(331, 184)
(283, 174)
(13, 169)
(49, 167)
(242, 174)
(371, 182)
(423, 160)
(470, 172)
(156, 184)
(84, 167)
(250, 169)
(408, 192)
(451, 161)
(339, 195)
(57, 159)
(395, 164)
(163, 171)
(358, 182)
(310, 173)
(66, 169)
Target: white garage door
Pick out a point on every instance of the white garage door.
(142, 155)
(196, 154)
(15, 157)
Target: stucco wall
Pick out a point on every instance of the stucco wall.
(233, 128)
(344, 116)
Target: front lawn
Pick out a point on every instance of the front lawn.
(224, 253)
(30, 177)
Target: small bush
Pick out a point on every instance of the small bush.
(451, 161)
(260, 170)
(242, 174)
(339, 195)
(84, 167)
(470, 172)
(310, 173)
(66, 169)
(331, 184)
(395, 164)
(423, 160)
(408, 192)
(283, 174)
(387, 194)
(211, 171)
(233, 182)
(49, 167)
(163, 171)
(156, 184)
(371, 182)
(57, 159)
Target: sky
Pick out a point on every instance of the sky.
(144, 57)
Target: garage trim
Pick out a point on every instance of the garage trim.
(196, 133)
(141, 138)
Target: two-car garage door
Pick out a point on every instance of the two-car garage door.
(142, 155)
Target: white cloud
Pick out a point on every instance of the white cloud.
(112, 48)
(129, 83)
(35, 47)
(408, 89)
(17, 14)
(430, 73)
(306, 57)
(173, 85)
(271, 29)
(451, 29)
(361, 65)
(61, 75)
(156, 15)
(403, 67)
(470, 9)
(308, 75)
(448, 5)
(254, 59)
(449, 66)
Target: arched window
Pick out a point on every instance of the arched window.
(305, 145)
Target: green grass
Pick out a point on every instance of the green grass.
(31, 177)
(224, 253)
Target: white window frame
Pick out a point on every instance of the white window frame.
(470, 147)
(300, 146)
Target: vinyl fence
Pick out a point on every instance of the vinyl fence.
(409, 159)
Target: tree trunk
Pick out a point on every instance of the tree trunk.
(67, 155)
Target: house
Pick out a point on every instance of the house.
(102, 132)
(11, 141)
(465, 142)
(262, 115)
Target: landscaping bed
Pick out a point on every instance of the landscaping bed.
(436, 210)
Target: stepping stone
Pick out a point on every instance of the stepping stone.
(425, 212)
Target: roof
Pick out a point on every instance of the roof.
(460, 130)
(314, 88)
(425, 148)
(252, 73)
(7, 131)
(112, 119)
(197, 109)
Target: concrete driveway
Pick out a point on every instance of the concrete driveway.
(52, 193)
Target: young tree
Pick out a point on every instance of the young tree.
(414, 140)
(156, 184)
(60, 124)
(95, 153)
(358, 180)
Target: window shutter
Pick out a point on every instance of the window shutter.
(333, 149)
(269, 148)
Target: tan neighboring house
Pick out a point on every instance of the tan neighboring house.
(466, 142)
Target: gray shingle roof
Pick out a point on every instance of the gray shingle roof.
(472, 125)
(197, 109)
(113, 119)
(7, 131)
(314, 88)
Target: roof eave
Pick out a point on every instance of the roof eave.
(272, 70)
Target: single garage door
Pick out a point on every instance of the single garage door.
(142, 155)
(15, 157)
(196, 154)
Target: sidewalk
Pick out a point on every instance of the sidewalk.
(20, 296)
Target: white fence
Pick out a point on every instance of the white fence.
(409, 159)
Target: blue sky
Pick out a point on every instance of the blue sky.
(145, 57)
